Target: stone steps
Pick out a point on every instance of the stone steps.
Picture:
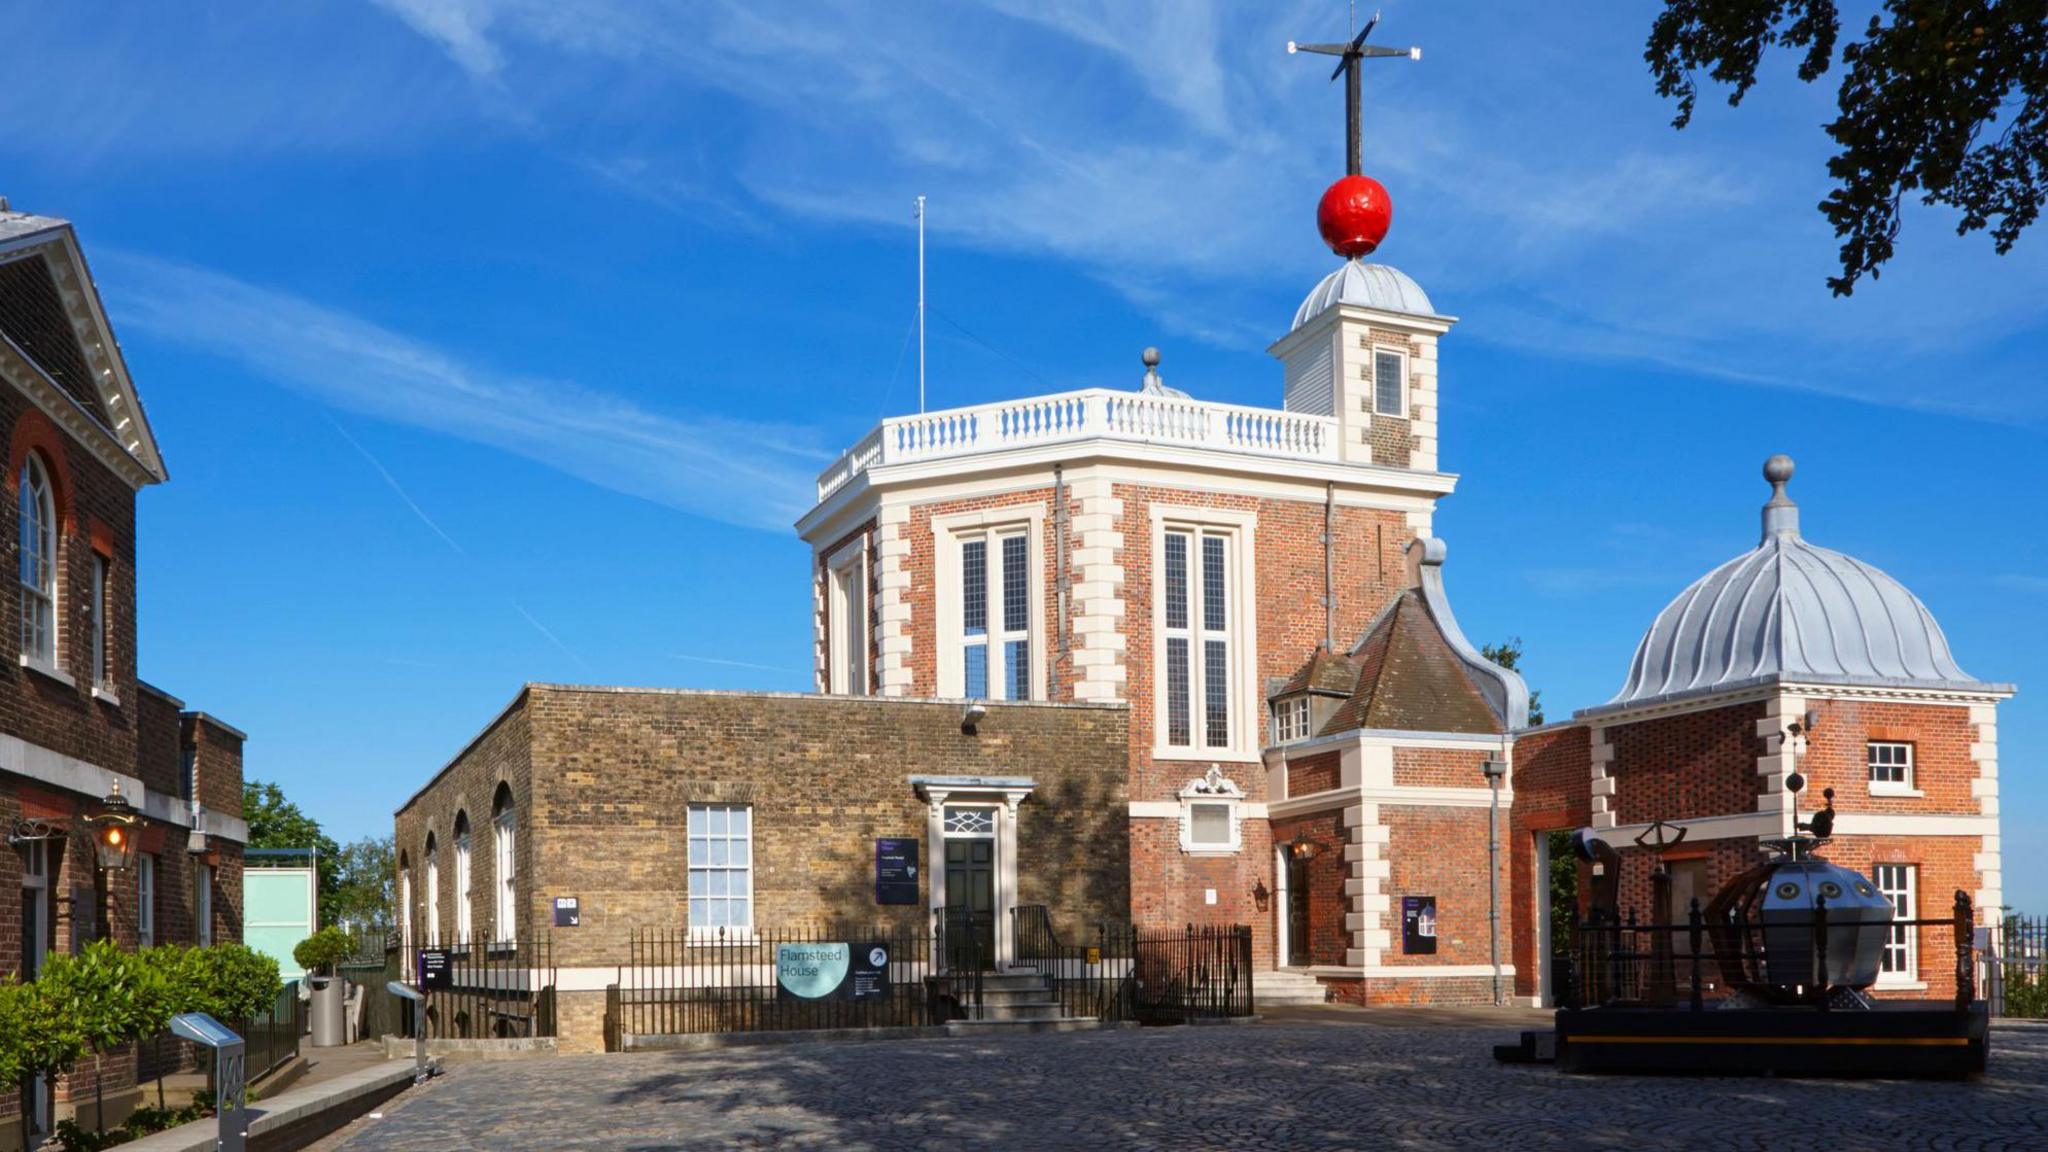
(1280, 988)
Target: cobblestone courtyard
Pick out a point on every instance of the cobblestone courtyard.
(1293, 1085)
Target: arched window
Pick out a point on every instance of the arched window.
(433, 895)
(504, 869)
(38, 549)
(464, 919)
(404, 902)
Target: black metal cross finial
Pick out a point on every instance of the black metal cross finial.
(1354, 52)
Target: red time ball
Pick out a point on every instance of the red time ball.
(1354, 215)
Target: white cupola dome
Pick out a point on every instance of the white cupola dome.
(1789, 610)
(1366, 286)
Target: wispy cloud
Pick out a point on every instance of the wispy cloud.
(740, 472)
(723, 663)
(2022, 582)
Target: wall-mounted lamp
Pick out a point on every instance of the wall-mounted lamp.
(973, 714)
(1261, 896)
(113, 830)
(1304, 849)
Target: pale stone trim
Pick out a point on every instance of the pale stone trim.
(1602, 785)
(1765, 688)
(1248, 708)
(1402, 795)
(1095, 601)
(84, 778)
(1738, 825)
(893, 642)
(1171, 810)
(1403, 971)
(1780, 759)
(950, 670)
(1990, 894)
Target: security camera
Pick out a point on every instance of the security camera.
(974, 714)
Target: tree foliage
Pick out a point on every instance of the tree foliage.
(1946, 99)
(1509, 656)
(321, 951)
(363, 896)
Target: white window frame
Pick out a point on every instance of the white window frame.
(1291, 720)
(145, 900)
(1212, 789)
(37, 541)
(949, 533)
(433, 878)
(102, 660)
(1908, 785)
(1373, 364)
(465, 913)
(202, 905)
(1900, 883)
(693, 866)
(1244, 700)
(848, 605)
(505, 879)
(405, 910)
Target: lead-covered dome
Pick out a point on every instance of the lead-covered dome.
(1367, 286)
(1791, 610)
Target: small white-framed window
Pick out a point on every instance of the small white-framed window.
(1211, 815)
(1197, 617)
(989, 606)
(721, 868)
(1290, 719)
(504, 872)
(969, 821)
(1891, 767)
(846, 620)
(38, 568)
(1389, 382)
(102, 661)
(202, 904)
(1901, 961)
(145, 901)
(464, 916)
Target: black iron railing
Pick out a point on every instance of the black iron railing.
(1191, 973)
(1666, 965)
(1091, 978)
(2016, 980)
(679, 982)
(502, 991)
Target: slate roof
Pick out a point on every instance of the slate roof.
(1326, 673)
(1410, 679)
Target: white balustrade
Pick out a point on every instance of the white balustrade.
(1091, 414)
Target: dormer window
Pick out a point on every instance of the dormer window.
(1291, 719)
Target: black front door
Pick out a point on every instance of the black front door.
(970, 903)
(1297, 912)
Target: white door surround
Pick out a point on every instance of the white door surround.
(1003, 794)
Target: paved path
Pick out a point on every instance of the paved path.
(1335, 1084)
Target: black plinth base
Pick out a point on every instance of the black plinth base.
(1913, 1039)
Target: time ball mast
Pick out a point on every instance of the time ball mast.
(1356, 211)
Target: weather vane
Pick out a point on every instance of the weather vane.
(1352, 55)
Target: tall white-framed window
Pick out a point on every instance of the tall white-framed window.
(145, 901)
(1290, 720)
(202, 904)
(433, 917)
(404, 904)
(1899, 883)
(102, 660)
(1204, 635)
(1891, 767)
(991, 642)
(504, 872)
(1389, 382)
(38, 568)
(846, 620)
(465, 915)
(721, 868)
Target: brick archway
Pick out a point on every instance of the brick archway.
(34, 432)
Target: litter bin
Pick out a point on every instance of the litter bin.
(328, 1008)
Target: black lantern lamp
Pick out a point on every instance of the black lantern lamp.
(1304, 849)
(113, 831)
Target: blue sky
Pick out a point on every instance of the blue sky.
(497, 340)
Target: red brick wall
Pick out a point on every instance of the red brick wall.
(1694, 764)
(1441, 852)
(1318, 773)
(1439, 991)
(1837, 756)
(93, 504)
(1439, 768)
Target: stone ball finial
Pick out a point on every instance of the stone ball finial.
(1778, 469)
(1151, 357)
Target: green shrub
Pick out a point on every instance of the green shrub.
(71, 1138)
(236, 982)
(2026, 993)
(321, 951)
